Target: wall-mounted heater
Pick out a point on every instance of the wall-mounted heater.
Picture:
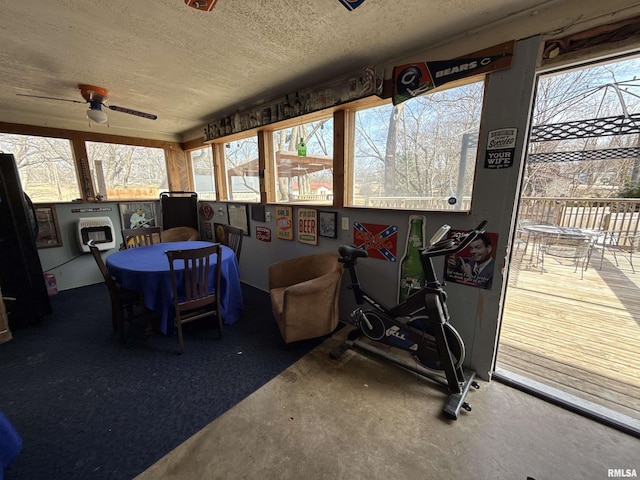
(99, 229)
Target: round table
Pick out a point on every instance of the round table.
(146, 269)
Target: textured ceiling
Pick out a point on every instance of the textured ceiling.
(189, 67)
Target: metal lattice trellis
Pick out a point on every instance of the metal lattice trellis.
(575, 156)
(596, 127)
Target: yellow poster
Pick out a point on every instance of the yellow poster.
(284, 223)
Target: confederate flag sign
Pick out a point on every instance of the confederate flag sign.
(380, 241)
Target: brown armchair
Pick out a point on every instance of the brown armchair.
(304, 295)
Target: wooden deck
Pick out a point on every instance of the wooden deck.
(581, 336)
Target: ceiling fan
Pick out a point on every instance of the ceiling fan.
(95, 97)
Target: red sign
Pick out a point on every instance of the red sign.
(263, 234)
(206, 211)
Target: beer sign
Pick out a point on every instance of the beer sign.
(308, 226)
(284, 223)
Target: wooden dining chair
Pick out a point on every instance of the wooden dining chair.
(192, 285)
(139, 237)
(123, 300)
(233, 239)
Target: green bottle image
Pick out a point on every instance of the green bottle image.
(411, 273)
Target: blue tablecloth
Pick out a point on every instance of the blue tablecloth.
(10, 443)
(146, 269)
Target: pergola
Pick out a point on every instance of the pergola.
(288, 164)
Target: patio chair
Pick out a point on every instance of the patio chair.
(524, 236)
(618, 241)
(571, 247)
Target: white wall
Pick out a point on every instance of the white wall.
(72, 267)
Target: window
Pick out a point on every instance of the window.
(420, 154)
(46, 167)
(241, 161)
(304, 178)
(202, 168)
(127, 171)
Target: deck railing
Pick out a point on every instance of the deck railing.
(413, 203)
(612, 214)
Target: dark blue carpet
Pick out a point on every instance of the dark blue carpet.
(90, 408)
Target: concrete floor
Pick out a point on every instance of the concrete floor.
(362, 418)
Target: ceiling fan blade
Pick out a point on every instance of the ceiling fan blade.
(50, 98)
(150, 116)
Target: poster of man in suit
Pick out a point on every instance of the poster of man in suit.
(475, 264)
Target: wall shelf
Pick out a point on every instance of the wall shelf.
(322, 98)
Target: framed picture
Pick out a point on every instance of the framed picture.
(138, 215)
(328, 224)
(258, 213)
(48, 230)
(239, 216)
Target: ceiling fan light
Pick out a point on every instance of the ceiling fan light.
(97, 115)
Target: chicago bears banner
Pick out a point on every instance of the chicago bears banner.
(413, 79)
(351, 4)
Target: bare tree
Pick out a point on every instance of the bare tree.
(418, 152)
(46, 166)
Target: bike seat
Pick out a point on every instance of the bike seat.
(350, 251)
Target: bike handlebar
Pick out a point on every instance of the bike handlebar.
(454, 244)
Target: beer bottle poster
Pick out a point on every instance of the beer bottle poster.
(411, 273)
(284, 223)
(308, 226)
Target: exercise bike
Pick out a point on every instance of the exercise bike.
(419, 325)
